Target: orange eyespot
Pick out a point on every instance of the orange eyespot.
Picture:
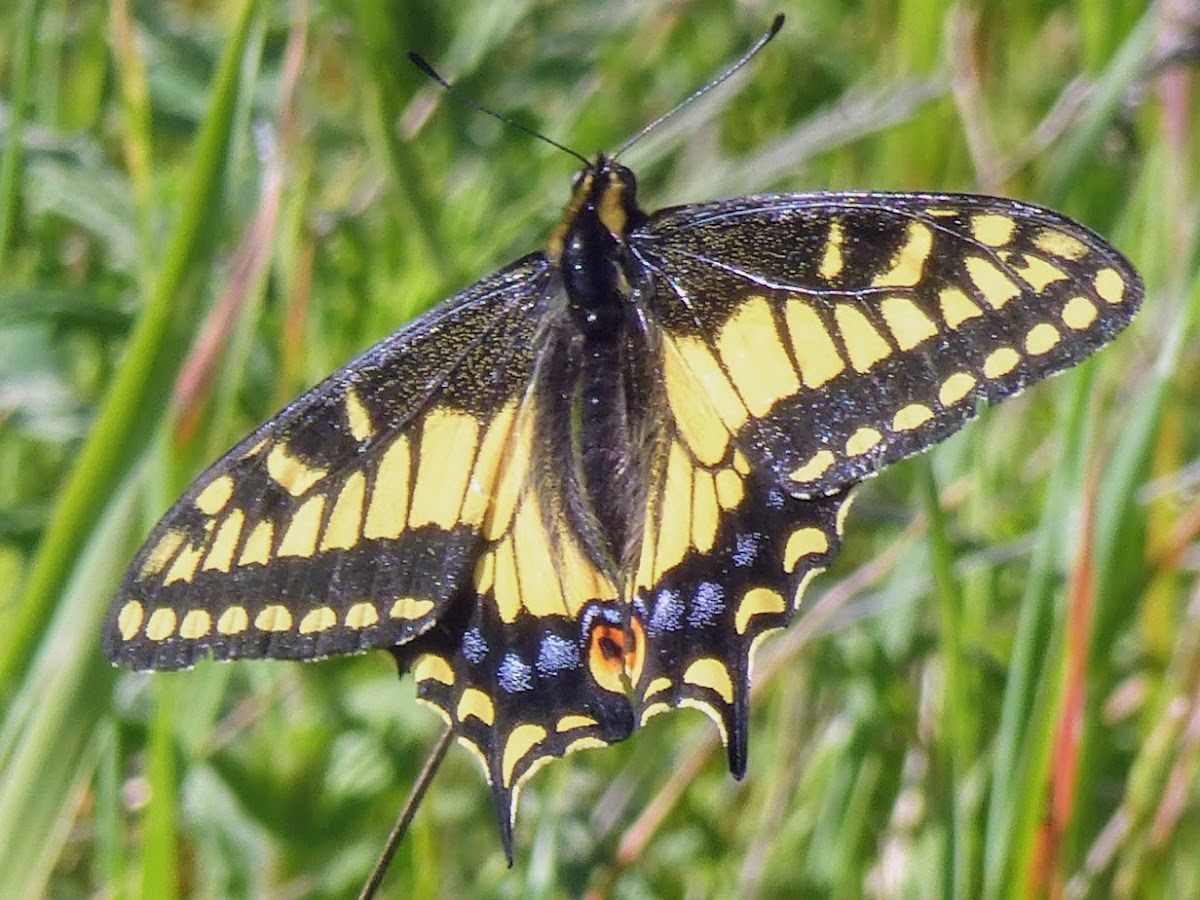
(614, 653)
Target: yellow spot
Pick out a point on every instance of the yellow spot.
(654, 709)
(1041, 338)
(485, 573)
(1110, 286)
(955, 388)
(699, 424)
(584, 743)
(220, 555)
(475, 702)
(256, 449)
(657, 686)
(409, 608)
(448, 441)
(805, 581)
(803, 542)
(433, 668)
(675, 522)
(864, 345)
(710, 673)
(1000, 362)
(756, 602)
(729, 489)
(162, 553)
(507, 588)
(815, 467)
(361, 615)
(258, 545)
(290, 473)
(1037, 273)
(184, 566)
(816, 353)
(754, 356)
(831, 261)
(996, 287)
(523, 739)
(388, 509)
(572, 721)
(912, 416)
(581, 580)
(862, 440)
(909, 261)
(300, 539)
(162, 624)
(705, 511)
(320, 619)
(1059, 244)
(713, 382)
(844, 511)
(541, 588)
(942, 212)
(233, 621)
(957, 308)
(1079, 313)
(129, 619)
(275, 617)
(213, 498)
(481, 486)
(196, 624)
(909, 325)
(992, 229)
(741, 465)
(357, 417)
(341, 531)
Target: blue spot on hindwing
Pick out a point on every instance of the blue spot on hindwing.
(556, 654)
(747, 548)
(707, 606)
(474, 646)
(514, 674)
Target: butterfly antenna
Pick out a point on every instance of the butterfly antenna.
(776, 24)
(415, 796)
(419, 61)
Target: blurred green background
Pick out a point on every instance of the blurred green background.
(206, 207)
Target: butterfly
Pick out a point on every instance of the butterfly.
(581, 492)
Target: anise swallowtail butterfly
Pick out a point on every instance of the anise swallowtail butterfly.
(580, 492)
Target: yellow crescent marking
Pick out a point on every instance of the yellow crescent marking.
(410, 608)
(275, 617)
(258, 545)
(803, 542)
(651, 711)
(291, 473)
(475, 702)
(912, 416)
(233, 621)
(300, 539)
(341, 531)
(387, 512)
(817, 466)
(957, 307)
(864, 345)
(220, 555)
(862, 441)
(433, 668)
(816, 353)
(909, 261)
(1041, 338)
(908, 324)
(523, 739)
(213, 498)
(357, 417)
(831, 260)
(754, 356)
(320, 619)
(710, 673)
(361, 615)
(657, 686)
(1001, 362)
(161, 625)
(184, 566)
(757, 601)
(955, 388)
(1110, 286)
(572, 721)
(805, 581)
(1079, 313)
(129, 619)
(196, 624)
(584, 743)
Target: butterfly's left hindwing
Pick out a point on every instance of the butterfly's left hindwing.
(351, 519)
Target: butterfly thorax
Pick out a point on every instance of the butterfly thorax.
(603, 400)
